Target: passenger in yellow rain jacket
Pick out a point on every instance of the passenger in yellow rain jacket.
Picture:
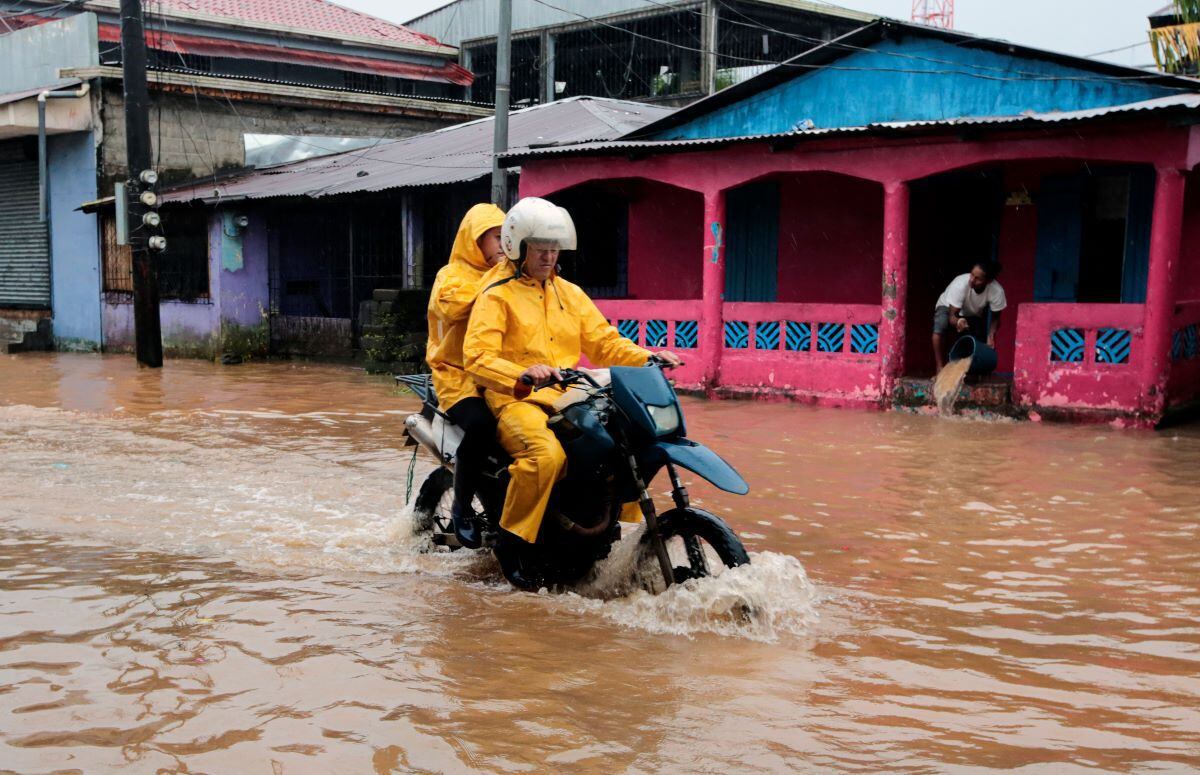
(476, 248)
(529, 322)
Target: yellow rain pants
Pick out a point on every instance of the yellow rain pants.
(454, 291)
(518, 323)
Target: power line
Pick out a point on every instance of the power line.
(1139, 44)
(806, 66)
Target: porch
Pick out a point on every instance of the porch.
(812, 275)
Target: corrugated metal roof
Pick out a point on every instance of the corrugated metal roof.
(1184, 102)
(320, 16)
(471, 19)
(452, 155)
(862, 39)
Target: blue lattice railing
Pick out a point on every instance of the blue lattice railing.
(798, 336)
(630, 329)
(831, 337)
(766, 335)
(1113, 345)
(1185, 343)
(656, 333)
(864, 338)
(737, 334)
(1067, 345)
(686, 334)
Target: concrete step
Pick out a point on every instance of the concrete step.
(991, 392)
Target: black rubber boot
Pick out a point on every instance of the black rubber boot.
(461, 513)
(508, 551)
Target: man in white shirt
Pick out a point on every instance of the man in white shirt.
(964, 306)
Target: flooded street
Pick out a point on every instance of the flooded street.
(211, 569)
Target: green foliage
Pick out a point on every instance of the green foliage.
(387, 341)
(244, 342)
(1188, 11)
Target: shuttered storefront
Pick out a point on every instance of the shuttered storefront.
(24, 246)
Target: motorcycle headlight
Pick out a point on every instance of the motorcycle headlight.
(666, 418)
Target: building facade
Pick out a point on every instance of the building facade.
(217, 73)
(295, 251)
(791, 234)
(666, 51)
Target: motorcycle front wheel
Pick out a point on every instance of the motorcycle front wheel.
(699, 544)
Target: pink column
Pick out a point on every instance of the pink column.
(895, 286)
(1165, 237)
(711, 315)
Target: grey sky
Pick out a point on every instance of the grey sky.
(1080, 27)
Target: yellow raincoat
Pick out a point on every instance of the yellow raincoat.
(454, 291)
(518, 323)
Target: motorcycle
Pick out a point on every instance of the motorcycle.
(620, 428)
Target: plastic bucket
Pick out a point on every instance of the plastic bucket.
(984, 358)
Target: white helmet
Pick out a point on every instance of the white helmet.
(538, 221)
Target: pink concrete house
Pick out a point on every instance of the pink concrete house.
(792, 233)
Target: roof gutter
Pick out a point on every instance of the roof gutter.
(300, 95)
(45, 94)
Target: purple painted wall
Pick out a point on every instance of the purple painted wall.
(242, 292)
(236, 296)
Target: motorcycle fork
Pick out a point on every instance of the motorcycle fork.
(651, 516)
(679, 494)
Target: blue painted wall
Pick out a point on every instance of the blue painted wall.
(911, 80)
(74, 242)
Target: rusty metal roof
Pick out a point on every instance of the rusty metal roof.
(452, 155)
(1178, 102)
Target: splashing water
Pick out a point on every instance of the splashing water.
(769, 597)
(948, 384)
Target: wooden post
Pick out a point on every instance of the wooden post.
(712, 319)
(146, 323)
(1165, 239)
(895, 287)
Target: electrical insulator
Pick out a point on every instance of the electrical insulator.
(157, 242)
(151, 219)
(148, 177)
(149, 198)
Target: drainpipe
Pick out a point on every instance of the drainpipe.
(41, 100)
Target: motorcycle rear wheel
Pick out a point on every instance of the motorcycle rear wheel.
(699, 544)
(431, 509)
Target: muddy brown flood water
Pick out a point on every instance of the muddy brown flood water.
(209, 569)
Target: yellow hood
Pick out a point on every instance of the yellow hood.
(450, 301)
(478, 219)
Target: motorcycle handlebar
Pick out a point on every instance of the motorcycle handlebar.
(660, 362)
(525, 384)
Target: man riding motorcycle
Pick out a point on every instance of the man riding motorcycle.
(526, 324)
(476, 249)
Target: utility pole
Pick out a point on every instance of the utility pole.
(143, 200)
(500, 143)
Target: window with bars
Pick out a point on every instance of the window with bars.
(182, 267)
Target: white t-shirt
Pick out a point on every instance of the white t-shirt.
(959, 294)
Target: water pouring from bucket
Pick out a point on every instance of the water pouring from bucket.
(967, 356)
